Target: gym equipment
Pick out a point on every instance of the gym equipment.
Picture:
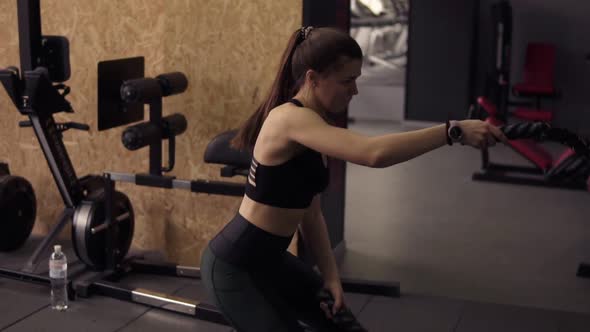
(89, 236)
(538, 71)
(121, 75)
(567, 170)
(34, 96)
(237, 163)
(219, 151)
(388, 23)
(102, 218)
(570, 171)
(18, 209)
(104, 234)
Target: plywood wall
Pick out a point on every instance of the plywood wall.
(229, 50)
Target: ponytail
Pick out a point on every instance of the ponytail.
(281, 91)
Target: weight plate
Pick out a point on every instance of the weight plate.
(89, 215)
(18, 209)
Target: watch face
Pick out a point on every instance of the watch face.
(456, 132)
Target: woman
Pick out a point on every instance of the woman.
(246, 269)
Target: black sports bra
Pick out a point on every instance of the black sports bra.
(292, 184)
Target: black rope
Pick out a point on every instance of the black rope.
(542, 131)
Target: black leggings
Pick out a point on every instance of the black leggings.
(259, 289)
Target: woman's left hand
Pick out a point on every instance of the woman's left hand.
(335, 288)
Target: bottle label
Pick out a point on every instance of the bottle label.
(57, 270)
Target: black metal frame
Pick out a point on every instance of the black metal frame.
(35, 96)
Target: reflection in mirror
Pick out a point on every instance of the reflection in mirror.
(381, 29)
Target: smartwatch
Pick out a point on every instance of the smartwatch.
(454, 132)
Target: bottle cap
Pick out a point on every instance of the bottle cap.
(57, 248)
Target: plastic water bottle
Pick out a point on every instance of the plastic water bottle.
(58, 273)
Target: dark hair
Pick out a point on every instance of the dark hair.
(320, 49)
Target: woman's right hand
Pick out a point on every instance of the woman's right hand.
(480, 134)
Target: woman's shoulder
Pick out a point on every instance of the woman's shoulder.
(290, 113)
